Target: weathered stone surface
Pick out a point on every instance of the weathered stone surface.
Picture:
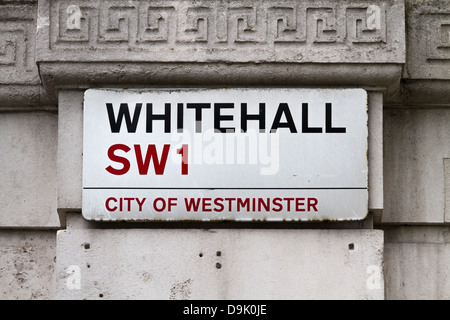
(447, 189)
(27, 263)
(70, 150)
(19, 77)
(240, 31)
(17, 44)
(219, 264)
(427, 70)
(417, 261)
(216, 42)
(375, 156)
(28, 170)
(121, 43)
(428, 46)
(321, 43)
(416, 142)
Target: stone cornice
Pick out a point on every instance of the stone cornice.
(46, 45)
(427, 71)
(428, 49)
(218, 42)
(241, 31)
(20, 83)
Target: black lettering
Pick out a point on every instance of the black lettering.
(283, 108)
(305, 127)
(218, 117)
(180, 114)
(328, 118)
(261, 117)
(123, 112)
(198, 113)
(165, 117)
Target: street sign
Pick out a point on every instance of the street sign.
(243, 154)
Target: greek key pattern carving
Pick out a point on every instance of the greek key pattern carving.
(428, 50)
(215, 23)
(17, 54)
(438, 41)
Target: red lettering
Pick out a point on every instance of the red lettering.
(192, 204)
(172, 202)
(128, 200)
(140, 203)
(206, 202)
(107, 204)
(155, 206)
(230, 201)
(266, 204)
(250, 204)
(312, 203)
(159, 165)
(184, 159)
(288, 200)
(277, 202)
(218, 203)
(113, 157)
(299, 203)
(245, 203)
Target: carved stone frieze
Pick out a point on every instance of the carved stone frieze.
(85, 43)
(316, 31)
(19, 77)
(427, 71)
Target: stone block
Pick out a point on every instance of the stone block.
(428, 45)
(20, 83)
(416, 142)
(219, 264)
(70, 150)
(239, 31)
(27, 264)
(427, 70)
(447, 189)
(375, 156)
(242, 42)
(17, 43)
(417, 260)
(28, 170)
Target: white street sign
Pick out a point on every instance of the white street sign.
(225, 154)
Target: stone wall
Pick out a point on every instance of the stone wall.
(53, 50)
